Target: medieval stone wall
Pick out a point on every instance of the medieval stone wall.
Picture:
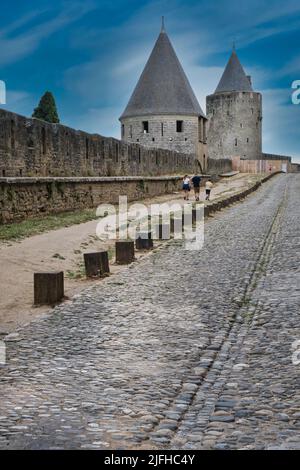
(23, 198)
(235, 125)
(30, 147)
(217, 167)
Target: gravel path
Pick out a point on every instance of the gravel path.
(183, 349)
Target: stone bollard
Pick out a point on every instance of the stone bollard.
(48, 288)
(96, 264)
(124, 251)
(144, 241)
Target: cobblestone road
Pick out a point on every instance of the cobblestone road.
(183, 349)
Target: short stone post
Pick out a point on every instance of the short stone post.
(124, 251)
(48, 288)
(96, 264)
(144, 241)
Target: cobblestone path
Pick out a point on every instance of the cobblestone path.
(183, 349)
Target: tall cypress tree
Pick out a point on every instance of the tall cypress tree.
(46, 109)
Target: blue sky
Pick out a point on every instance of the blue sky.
(90, 54)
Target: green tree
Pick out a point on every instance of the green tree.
(46, 109)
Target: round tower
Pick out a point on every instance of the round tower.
(163, 111)
(234, 114)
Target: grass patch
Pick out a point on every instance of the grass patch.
(30, 227)
(79, 273)
(111, 253)
(58, 256)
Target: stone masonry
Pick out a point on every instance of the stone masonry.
(162, 133)
(235, 121)
(23, 198)
(234, 111)
(30, 147)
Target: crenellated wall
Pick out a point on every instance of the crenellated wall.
(31, 148)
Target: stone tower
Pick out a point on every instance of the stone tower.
(234, 112)
(163, 111)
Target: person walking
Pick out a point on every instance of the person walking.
(186, 187)
(208, 188)
(196, 180)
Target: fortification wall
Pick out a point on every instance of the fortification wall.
(23, 198)
(218, 166)
(30, 147)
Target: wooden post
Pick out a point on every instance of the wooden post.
(207, 210)
(124, 251)
(176, 223)
(96, 264)
(48, 288)
(104, 262)
(144, 241)
(194, 214)
(162, 231)
(197, 213)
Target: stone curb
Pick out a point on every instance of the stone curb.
(215, 206)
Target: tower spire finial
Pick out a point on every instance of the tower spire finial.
(233, 45)
(163, 24)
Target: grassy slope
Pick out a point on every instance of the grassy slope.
(30, 227)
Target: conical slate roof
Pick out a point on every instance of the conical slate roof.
(234, 77)
(163, 87)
